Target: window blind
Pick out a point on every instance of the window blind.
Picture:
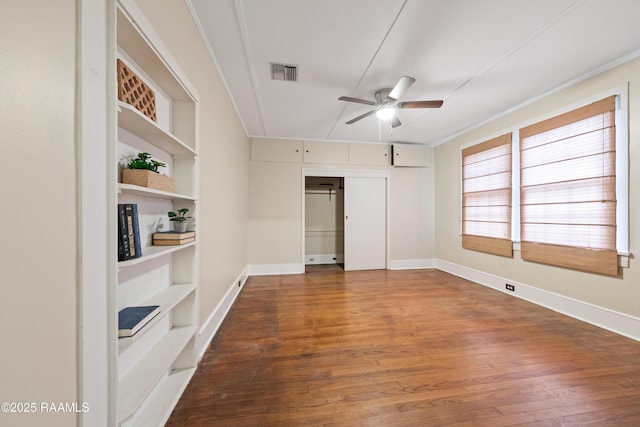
(568, 189)
(486, 196)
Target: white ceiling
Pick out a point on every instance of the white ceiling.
(482, 57)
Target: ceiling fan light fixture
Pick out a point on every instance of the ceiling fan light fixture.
(385, 113)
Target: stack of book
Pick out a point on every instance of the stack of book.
(168, 238)
(132, 319)
(129, 246)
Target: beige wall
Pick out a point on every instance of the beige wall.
(275, 212)
(619, 294)
(38, 262)
(412, 213)
(224, 155)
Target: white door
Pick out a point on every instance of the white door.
(365, 233)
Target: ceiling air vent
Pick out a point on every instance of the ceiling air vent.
(284, 72)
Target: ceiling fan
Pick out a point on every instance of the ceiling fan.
(386, 102)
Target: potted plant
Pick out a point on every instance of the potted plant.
(142, 170)
(179, 219)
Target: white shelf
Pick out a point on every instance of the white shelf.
(134, 121)
(158, 410)
(137, 46)
(151, 252)
(167, 300)
(134, 388)
(136, 190)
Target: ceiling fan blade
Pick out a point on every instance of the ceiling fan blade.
(360, 117)
(420, 104)
(358, 100)
(400, 87)
(395, 121)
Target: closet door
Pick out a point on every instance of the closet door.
(365, 234)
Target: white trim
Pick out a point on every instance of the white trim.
(94, 130)
(209, 327)
(620, 323)
(622, 170)
(515, 184)
(344, 173)
(214, 60)
(411, 264)
(271, 269)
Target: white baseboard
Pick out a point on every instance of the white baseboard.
(209, 328)
(620, 323)
(410, 264)
(270, 269)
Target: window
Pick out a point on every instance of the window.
(568, 189)
(486, 196)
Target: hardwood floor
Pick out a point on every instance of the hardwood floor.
(406, 348)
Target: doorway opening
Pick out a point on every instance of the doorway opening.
(346, 219)
(324, 225)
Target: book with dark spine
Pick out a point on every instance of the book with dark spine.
(123, 234)
(136, 231)
(132, 319)
(131, 215)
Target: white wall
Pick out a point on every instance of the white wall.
(38, 312)
(275, 213)
(620, 294)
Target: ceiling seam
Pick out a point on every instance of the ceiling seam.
(593, 73)
(523, 43)
(244, 32)
(366, 70)
(511, 51)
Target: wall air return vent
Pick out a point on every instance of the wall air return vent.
(284, 72)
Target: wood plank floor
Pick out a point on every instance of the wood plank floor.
(406, 348)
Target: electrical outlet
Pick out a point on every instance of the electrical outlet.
(510, 287)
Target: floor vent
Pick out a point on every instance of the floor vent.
(284, 72)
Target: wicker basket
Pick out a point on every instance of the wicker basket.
(132, 90)
(146, 178)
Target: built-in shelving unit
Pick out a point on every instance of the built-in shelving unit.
(152, 368)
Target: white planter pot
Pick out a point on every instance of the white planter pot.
(180, 227)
